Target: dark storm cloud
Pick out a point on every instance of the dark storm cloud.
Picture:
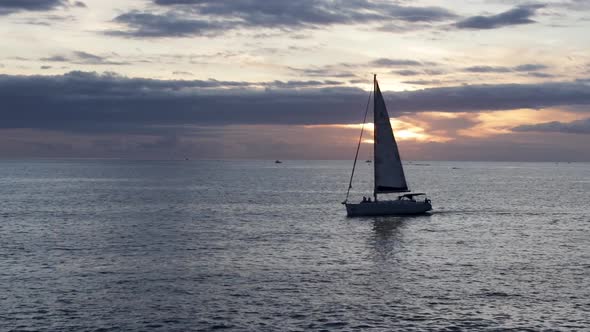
(575, 127)
(84, 58)
(12, 6)
(208, 17)
(516, 16)
(85, 102)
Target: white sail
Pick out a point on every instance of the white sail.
(389, 173)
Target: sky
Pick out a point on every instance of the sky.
(258, 79)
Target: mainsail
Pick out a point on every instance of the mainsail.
(389, 173)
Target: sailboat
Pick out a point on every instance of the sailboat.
(389, 177)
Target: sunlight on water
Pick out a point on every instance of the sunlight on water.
(252, 245)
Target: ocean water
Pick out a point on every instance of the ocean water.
(101, 245)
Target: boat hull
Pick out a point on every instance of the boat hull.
(388, 208)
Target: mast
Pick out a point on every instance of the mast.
(375, 137)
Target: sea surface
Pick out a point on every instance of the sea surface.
(110, 245)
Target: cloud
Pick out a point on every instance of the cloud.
(577, 5)
(16, 5)
(423, 82)
(87, 102)
(182, 73)
(419, 14)
(575, 127)
(83, 58)
(328, 71)
(12, 6)
(493, 97)
(488, 69)
(208, 17)
(55, 58)
(90, 102)
(407, 72)
(506, 147)
(529, 67)
(170, 24)
(300, 84)
(304, 12)
(347, 70)
(516, 16)
(540, 75)
(82, 101)
(384, 62)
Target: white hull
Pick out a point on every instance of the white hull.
(385, 208)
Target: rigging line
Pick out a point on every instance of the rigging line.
(358, 147)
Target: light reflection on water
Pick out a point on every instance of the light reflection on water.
(180, 246)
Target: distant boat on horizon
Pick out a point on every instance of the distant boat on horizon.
(388, 170)
(278, 162)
